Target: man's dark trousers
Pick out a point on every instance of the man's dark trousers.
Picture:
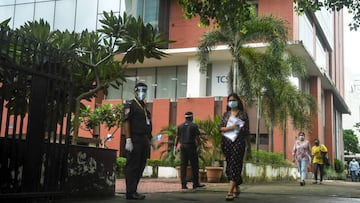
(188, 153)
(136, 161)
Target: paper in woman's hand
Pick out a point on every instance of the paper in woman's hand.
(232, 135)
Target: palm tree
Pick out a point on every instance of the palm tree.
(209, 129)
(259, 74)
(168, 154)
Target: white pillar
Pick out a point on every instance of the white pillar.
(196, 81)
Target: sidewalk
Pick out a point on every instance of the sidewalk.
(152, 185)
(330, 188)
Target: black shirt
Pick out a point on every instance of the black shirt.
(140, 122)
(187, 132)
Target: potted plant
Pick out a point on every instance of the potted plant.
(212, 148)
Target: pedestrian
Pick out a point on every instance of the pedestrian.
(188, 135)
(137, 128)
(234, 126)
(301, 153)
(318, 151)
(354, 169)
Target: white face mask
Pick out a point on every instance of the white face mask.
(232, 104)
(302, 138)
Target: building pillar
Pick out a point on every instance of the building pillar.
(329, 139)
(196, 85)
(316, 117)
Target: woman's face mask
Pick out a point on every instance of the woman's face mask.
(302, 137)
(233, 104)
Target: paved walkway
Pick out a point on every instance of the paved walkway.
(168, 190)
(151, 185)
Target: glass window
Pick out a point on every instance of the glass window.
(181, 81)
(23, 13)
(109, 5)
(151, 12)
(86, 14)
(306, 34)
(147, 76)
(147, 10)
(64, 15)
(24, 1)
(320, 55)
(7, 12)
(45, 10)
(166, 83)
(6, 2)
(126, 91)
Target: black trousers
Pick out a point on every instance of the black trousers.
(135, 162)
(319, 167)
(188, 153)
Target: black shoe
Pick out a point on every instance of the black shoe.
(135, 196)
(198, 186)
(184, 187)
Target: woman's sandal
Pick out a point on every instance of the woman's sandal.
(237, 192)
(229, 197)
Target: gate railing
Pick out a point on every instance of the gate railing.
(35, 100)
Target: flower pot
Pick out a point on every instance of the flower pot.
(188, 173)
(213, 174)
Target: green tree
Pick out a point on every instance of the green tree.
(225, 9)
(352, 6)
(351, 142)
(90, 55)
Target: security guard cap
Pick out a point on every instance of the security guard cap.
(189, 114)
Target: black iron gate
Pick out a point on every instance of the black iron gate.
(35, 99)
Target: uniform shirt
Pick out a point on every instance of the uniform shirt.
(187, 132)
(316, 153)
(140, 122)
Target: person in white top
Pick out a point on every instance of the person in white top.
(354, 169)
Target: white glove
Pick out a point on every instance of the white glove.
(129, 145)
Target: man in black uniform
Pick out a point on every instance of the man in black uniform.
(188, 135)
(137, 128)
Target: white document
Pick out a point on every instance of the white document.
(232, 135)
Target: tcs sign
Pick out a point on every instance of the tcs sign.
(222, 79)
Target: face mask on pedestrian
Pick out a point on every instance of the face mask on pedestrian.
(317, 143)
(302, 137)
(233, 104)
(141, 93)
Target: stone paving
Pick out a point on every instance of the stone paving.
(151, 185)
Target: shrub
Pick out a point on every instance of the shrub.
(331, 174)
(339, 166)
(272, 158)
(120, 166)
